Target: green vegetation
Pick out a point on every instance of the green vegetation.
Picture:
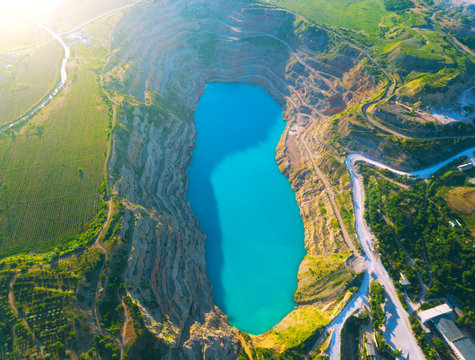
(322, 278)
(110, 305)
(26, 78)
(44, 198)
(43, 299)
(350, 336)
(384, 348)
(402, 39)
(308, 330)
(420, 337)
(302, 323)
(17, 339)
(394, 5)
(419, 235)
(377, 300)
(357, 15)
(50, 306)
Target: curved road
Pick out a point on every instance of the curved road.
(397, 319)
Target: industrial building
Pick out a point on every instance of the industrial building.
(442, 317)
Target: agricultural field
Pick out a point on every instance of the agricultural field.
(19, 34)
(26, 76)
(356, 15)
(462, 201)
(52, 168)
(73, 13)
(47, 310)
(15, 336)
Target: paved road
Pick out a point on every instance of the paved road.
(423, 173)
(397, 320)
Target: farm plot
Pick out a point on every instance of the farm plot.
(51, 170)
(26, 76)
(43, 299)
(16, 339)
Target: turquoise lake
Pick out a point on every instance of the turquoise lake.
(245, 205)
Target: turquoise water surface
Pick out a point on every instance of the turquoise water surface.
(245, 206)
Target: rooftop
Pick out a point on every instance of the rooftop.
(370, 351)
(466, 166)
(434, 312)
(451, 332)
(465, 347)
(448, 328)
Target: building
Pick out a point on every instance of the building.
(404, 281)
(434, 312)
(465, 167)
(442, 317)
(461, 345)
(370, 348)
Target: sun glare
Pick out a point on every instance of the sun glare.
(17, 7)
(26, 8)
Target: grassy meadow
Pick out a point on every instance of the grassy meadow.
(25, 79)
(16, 34)
(362, 15)
(462, 201)
(51, 169)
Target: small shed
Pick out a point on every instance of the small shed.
(370, 348)
(404, 281)
(465, 167)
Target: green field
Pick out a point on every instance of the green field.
(462, 201)
(50, 171)
(73, 13)
(16, 34)
(322, 278)
(26, 79)
(357, 15)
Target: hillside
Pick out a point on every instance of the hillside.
(101, 254)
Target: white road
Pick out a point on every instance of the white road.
(423, 173)
(400, 335)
